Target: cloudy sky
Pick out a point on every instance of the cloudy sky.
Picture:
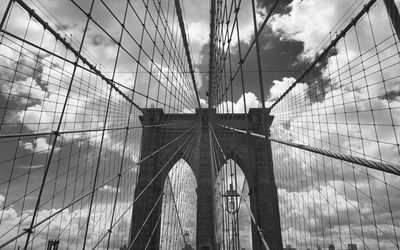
(32, 100)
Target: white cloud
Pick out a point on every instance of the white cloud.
(310, 21)
(280, 86)
(26, 90)
(316, 100)
(39, 145)
(31, 166)
(238, 107)
(108, 188)
(68, 225)
(337, 113)
(198, 36)
(203, 103)
(246, 25)
(40, 98)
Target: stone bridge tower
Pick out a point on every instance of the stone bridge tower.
(252, 154)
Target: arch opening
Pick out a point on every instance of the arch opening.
(179, 208)
(232, 205)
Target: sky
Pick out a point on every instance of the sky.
(293, 37)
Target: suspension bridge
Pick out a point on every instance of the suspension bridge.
(112, 136)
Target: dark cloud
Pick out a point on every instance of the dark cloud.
(282, 6)
(98, 40)
(391, 95)
(279, 58)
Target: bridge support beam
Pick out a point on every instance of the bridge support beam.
(143, 222)
(205, 234)
(264, 198)
(263, 191)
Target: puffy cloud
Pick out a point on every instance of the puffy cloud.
(69, 225)
(203, 103)
(108, 188)
(280, 86)
(9, 220)
(198, 35)
(26, 91)
(36, 92)
(246, 25)
(238, 107)
(335, 108)
(39, 145)
(341, 90)
(309, 21)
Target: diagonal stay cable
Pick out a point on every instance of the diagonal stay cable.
(153, 231)
(166, 145)
(166, 164)
(186, 45)
(217, 141)
(241, 192)
(145, 221)
(113, 224)
(129, 52)
(353, 22)
(251, 46)
(336, 210)
(76, 53)
(175, 206)
(191, 143)
(94, 190)
(381, 166)
(169, 143)
(3, 136)
(259, 231)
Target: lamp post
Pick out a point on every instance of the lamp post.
(186, 237)
(186, 240)
(231, 207)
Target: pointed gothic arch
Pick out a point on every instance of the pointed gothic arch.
(239, 184)
(253, 156)
(179, 206)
